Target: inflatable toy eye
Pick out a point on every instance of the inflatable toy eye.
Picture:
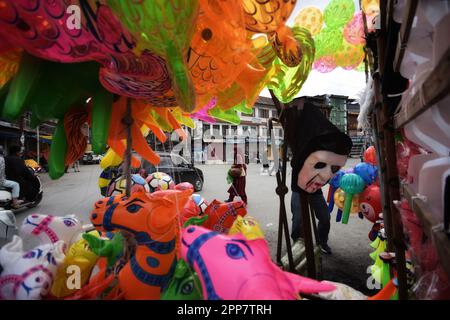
(30, 255)
(235, 252)
(134, 208)
(69, 222)
(187, 288)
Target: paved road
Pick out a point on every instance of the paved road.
(75, 193)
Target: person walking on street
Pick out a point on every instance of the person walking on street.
(238, 174)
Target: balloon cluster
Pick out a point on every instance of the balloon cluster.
(338, 33)
(82, 61)
(164, 244)
(356, 191)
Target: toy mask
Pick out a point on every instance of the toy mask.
(318, 169)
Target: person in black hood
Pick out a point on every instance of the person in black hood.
(319, 150)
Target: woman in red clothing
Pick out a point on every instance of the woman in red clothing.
(238, 174)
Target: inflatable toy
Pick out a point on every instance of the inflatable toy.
(351, 184)
(222, 215)
(159, 181)
(370, 203)
(152, 219)
(234, 268)
(28, 275)
(248, 227)
(185, 284)
(51, 229)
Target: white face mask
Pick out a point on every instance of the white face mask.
(318, 169)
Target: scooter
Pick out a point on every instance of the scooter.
(6, 197)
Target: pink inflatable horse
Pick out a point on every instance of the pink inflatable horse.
(234, 268)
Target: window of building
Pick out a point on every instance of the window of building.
(216, 130)
(274, 113)
(263, 113)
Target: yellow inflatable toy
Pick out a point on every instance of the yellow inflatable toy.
(79, 258)
(248, 227)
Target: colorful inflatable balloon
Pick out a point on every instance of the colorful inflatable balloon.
(328, 42)
(311, 19)
(152, 220)
(234, 268)
(351, 184)
(262, 16)
(338, 12)
(325, 64)
(367, 171)
(339, 201)
(287, 82)
(220, 48)
(370, 155)
(354, 30)
(349, 56)
(334, 183)
(171, 42)
(370, 203)
(50, 31)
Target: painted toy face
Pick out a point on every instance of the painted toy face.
(318, 169)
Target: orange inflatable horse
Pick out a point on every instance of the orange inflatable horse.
(153, 221)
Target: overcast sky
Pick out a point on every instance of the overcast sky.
(338, 81)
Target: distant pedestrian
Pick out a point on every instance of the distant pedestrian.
(238, 174)
(76, 166)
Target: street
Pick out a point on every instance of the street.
(75, 193)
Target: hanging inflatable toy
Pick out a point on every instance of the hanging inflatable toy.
(371, 9)
(339, 201)
(220, 48)
(338, 12)
(367, 171)
(334, 185)
(28, 275)
(140, 113)
(287, 82)
(203, 115)
(328, 42)
(9, 64)
(349, 56)
(370, 155)
(270, 17)
(351, 184)
(234, 268)
(354, 30)
(152, 220)
(53, 33)
(160, 181)
(145, 18)
(311, 19)
(111, 249)
(325, 64)
(184, 285)
(222, 215)
(370, 203)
